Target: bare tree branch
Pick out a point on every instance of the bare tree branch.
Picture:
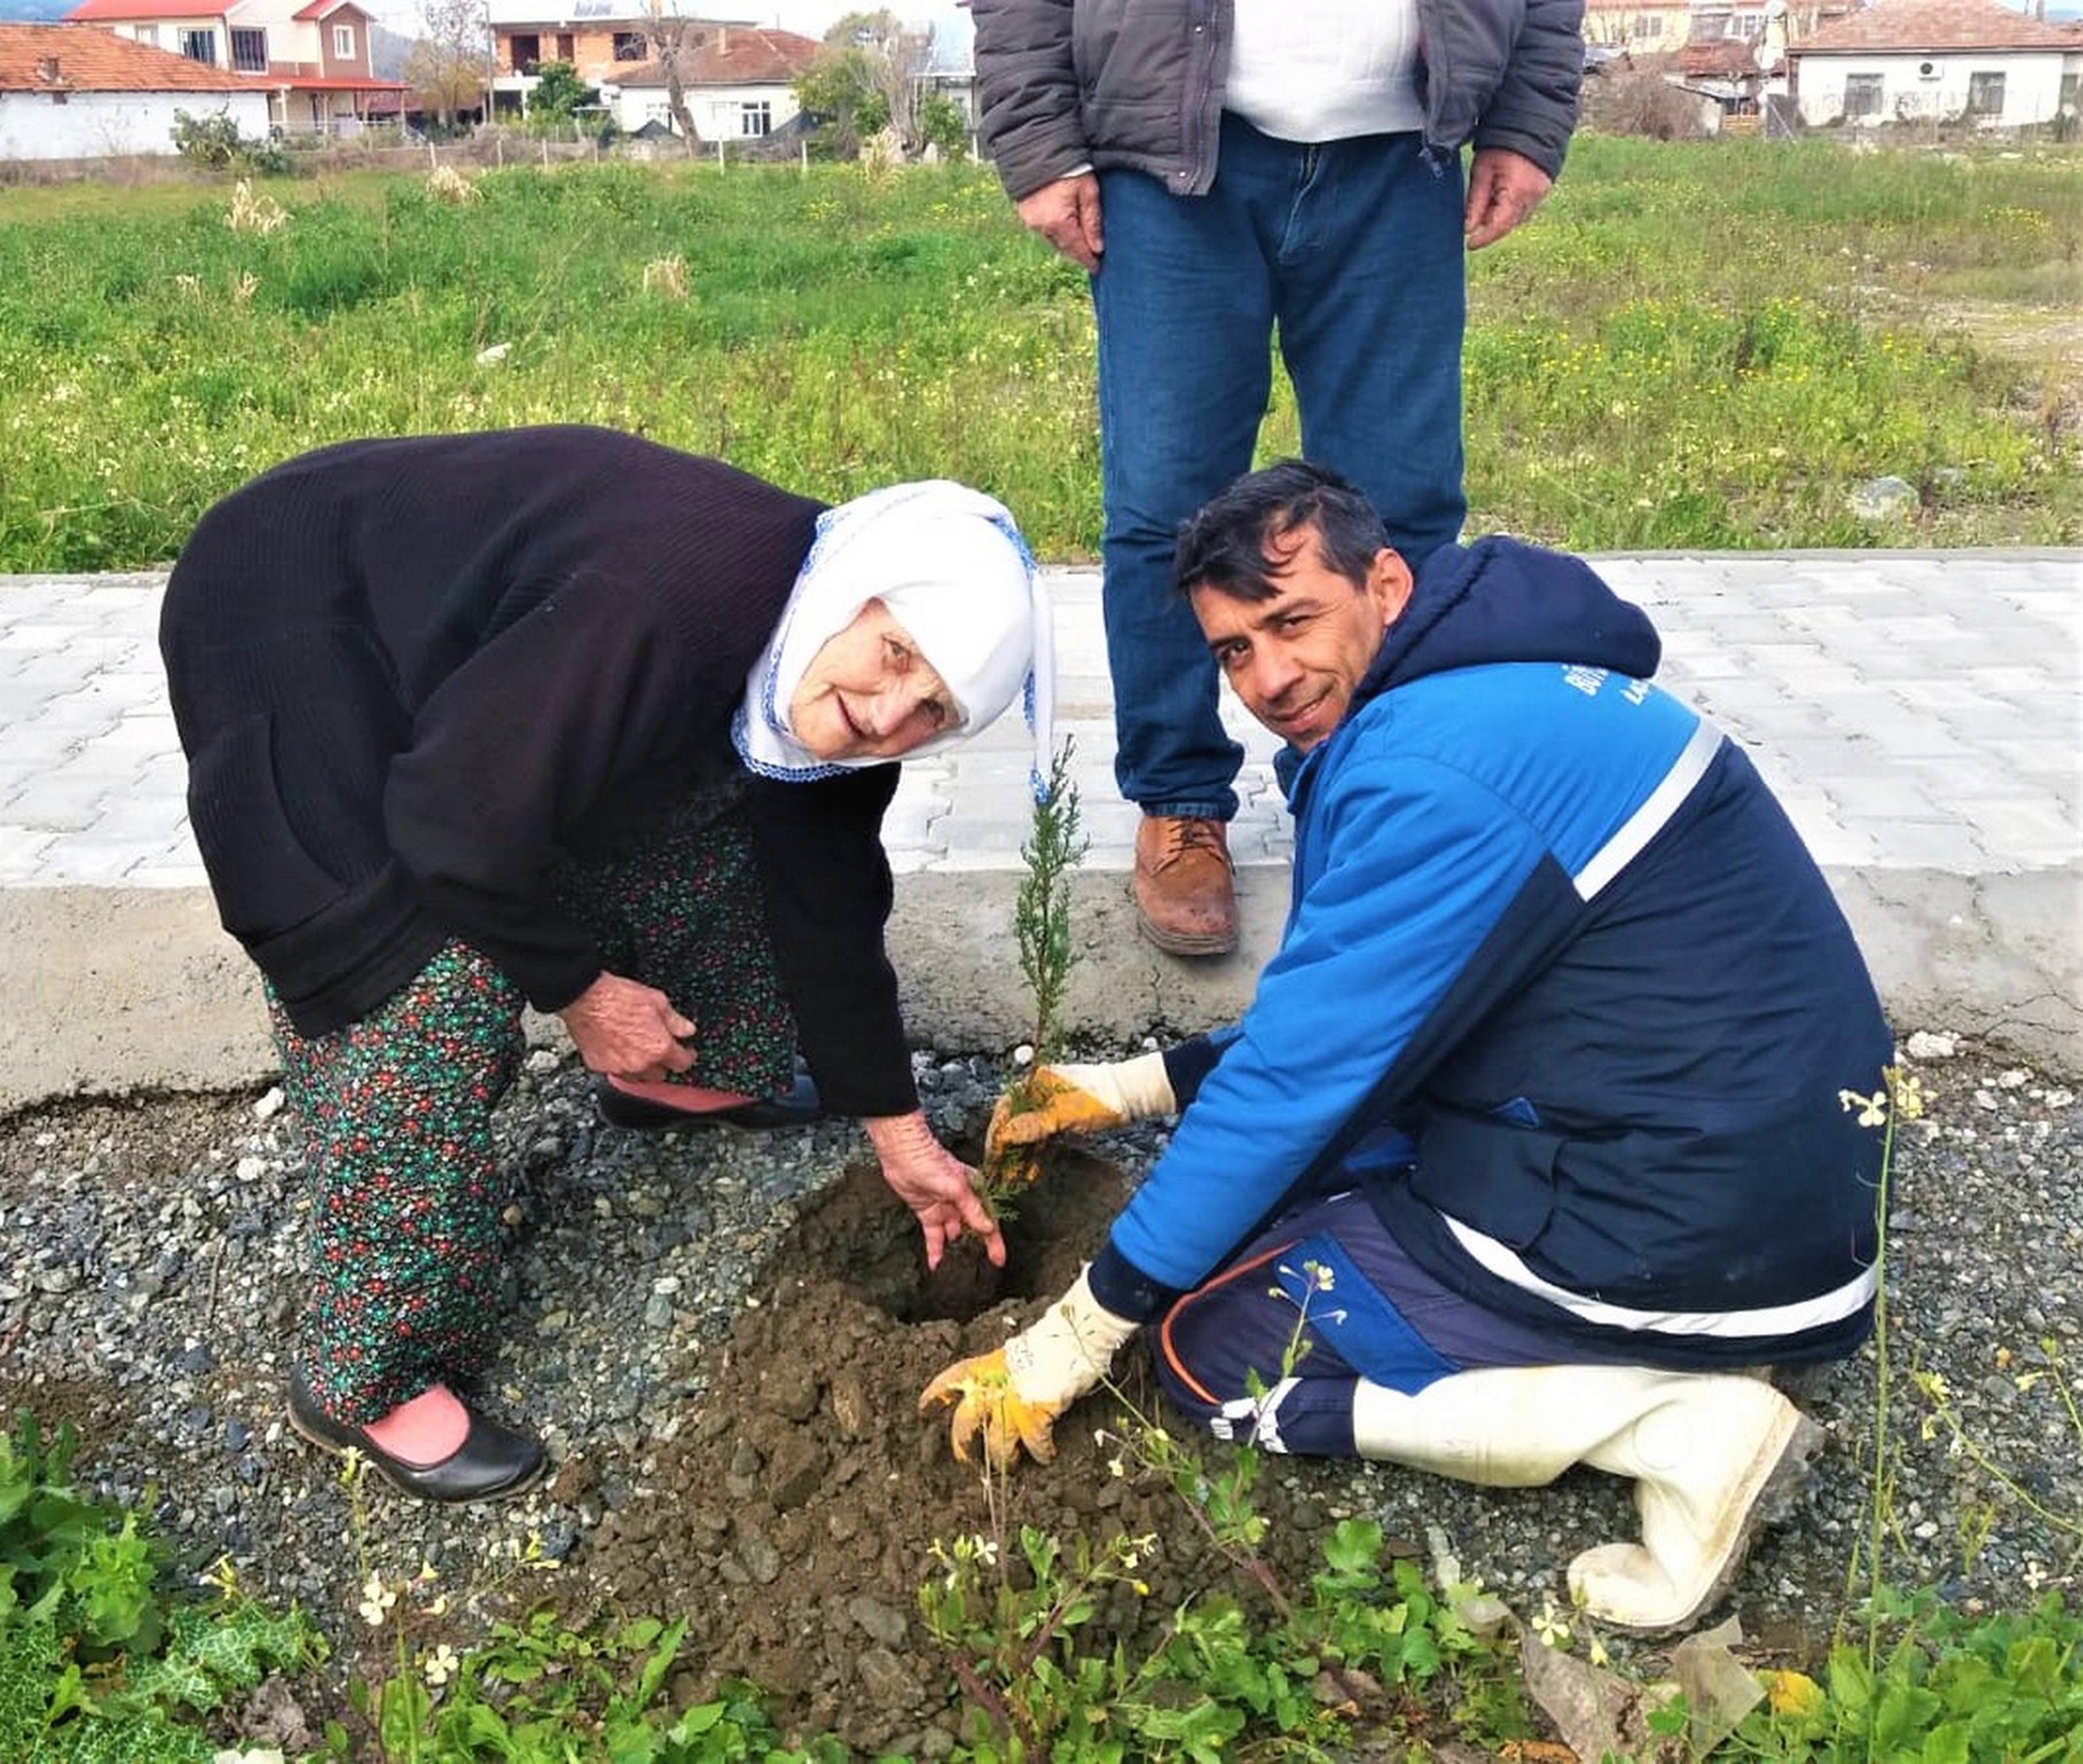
(447, 66)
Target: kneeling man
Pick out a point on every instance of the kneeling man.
(1531, 1141)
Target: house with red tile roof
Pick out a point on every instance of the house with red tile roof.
(1971, 61)
(1765, 25)
(1731, 54)
(309, 56)
(69, 91)
(738, 82)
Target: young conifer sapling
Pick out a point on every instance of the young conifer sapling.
(1042, 932)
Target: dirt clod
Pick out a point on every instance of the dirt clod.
(836, 1489)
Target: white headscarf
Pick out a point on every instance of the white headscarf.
(950, 565)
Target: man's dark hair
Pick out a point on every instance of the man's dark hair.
(1224, 546)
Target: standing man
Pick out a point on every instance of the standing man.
(1221, 168)
(1534, 1138)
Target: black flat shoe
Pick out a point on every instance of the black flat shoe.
(493, 1462)
(795, 1106)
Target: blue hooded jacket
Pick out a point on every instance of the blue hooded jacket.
(1560, 988)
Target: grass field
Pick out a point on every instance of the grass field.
(1693, 345)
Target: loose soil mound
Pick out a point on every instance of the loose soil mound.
(794, 1519)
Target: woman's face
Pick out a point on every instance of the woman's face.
(869, 693)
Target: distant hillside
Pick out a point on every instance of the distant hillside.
(388, 51)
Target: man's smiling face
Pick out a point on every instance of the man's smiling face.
(1296, 660)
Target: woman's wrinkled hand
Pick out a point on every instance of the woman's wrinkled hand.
(625, 1029)
(937, 1186)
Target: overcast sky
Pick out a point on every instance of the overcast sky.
(812, 18)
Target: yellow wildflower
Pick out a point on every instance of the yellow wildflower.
(1792, 1693)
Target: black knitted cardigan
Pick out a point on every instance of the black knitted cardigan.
(411, 676)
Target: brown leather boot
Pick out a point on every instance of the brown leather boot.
(1185, 890)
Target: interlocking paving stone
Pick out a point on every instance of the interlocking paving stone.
(1914, 710)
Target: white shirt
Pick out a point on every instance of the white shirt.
(1325, 69)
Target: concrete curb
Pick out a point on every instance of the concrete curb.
(121, 990)
(1919, 713)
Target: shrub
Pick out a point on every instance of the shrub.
(214, 141)
(942, 124)
(1634, 101)
(559, 96)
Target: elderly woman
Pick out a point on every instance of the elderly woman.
(560, 717)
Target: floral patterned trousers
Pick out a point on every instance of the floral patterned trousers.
(397, 1107)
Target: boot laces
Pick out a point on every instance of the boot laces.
(1185, 834)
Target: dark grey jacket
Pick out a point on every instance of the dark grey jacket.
(1138, 83)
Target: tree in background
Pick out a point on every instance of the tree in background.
(559, 96)
(832, 91)
(866, 77)
(668, 36)
(448, 68)
(942, 124)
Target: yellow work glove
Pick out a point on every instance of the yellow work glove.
(1078, 1100)
(1012, 1395)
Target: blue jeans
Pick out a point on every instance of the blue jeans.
(1353, 249)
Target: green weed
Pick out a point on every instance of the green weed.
(541, 1692)
(100, 1662)
(1335, 1664)
(1945, 1685)
(1355, 1654)
(1693, 345)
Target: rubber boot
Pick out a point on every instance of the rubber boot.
(1712, 1456)
(1712, 1460)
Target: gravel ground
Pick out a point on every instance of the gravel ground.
(148, 1256)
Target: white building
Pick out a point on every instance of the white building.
(1937, 61)
(738, 82)
(601, 40)
(69, 92)
(311, 57)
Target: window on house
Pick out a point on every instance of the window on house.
(1862, 94)
(755, 117)
(2071, 94)
(146, 34)
(1985, 94)
(567, 48)
(342, 42)
(629, 46)
(200, 46)
(527, 53)
(249, 51)
(1649, 26)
